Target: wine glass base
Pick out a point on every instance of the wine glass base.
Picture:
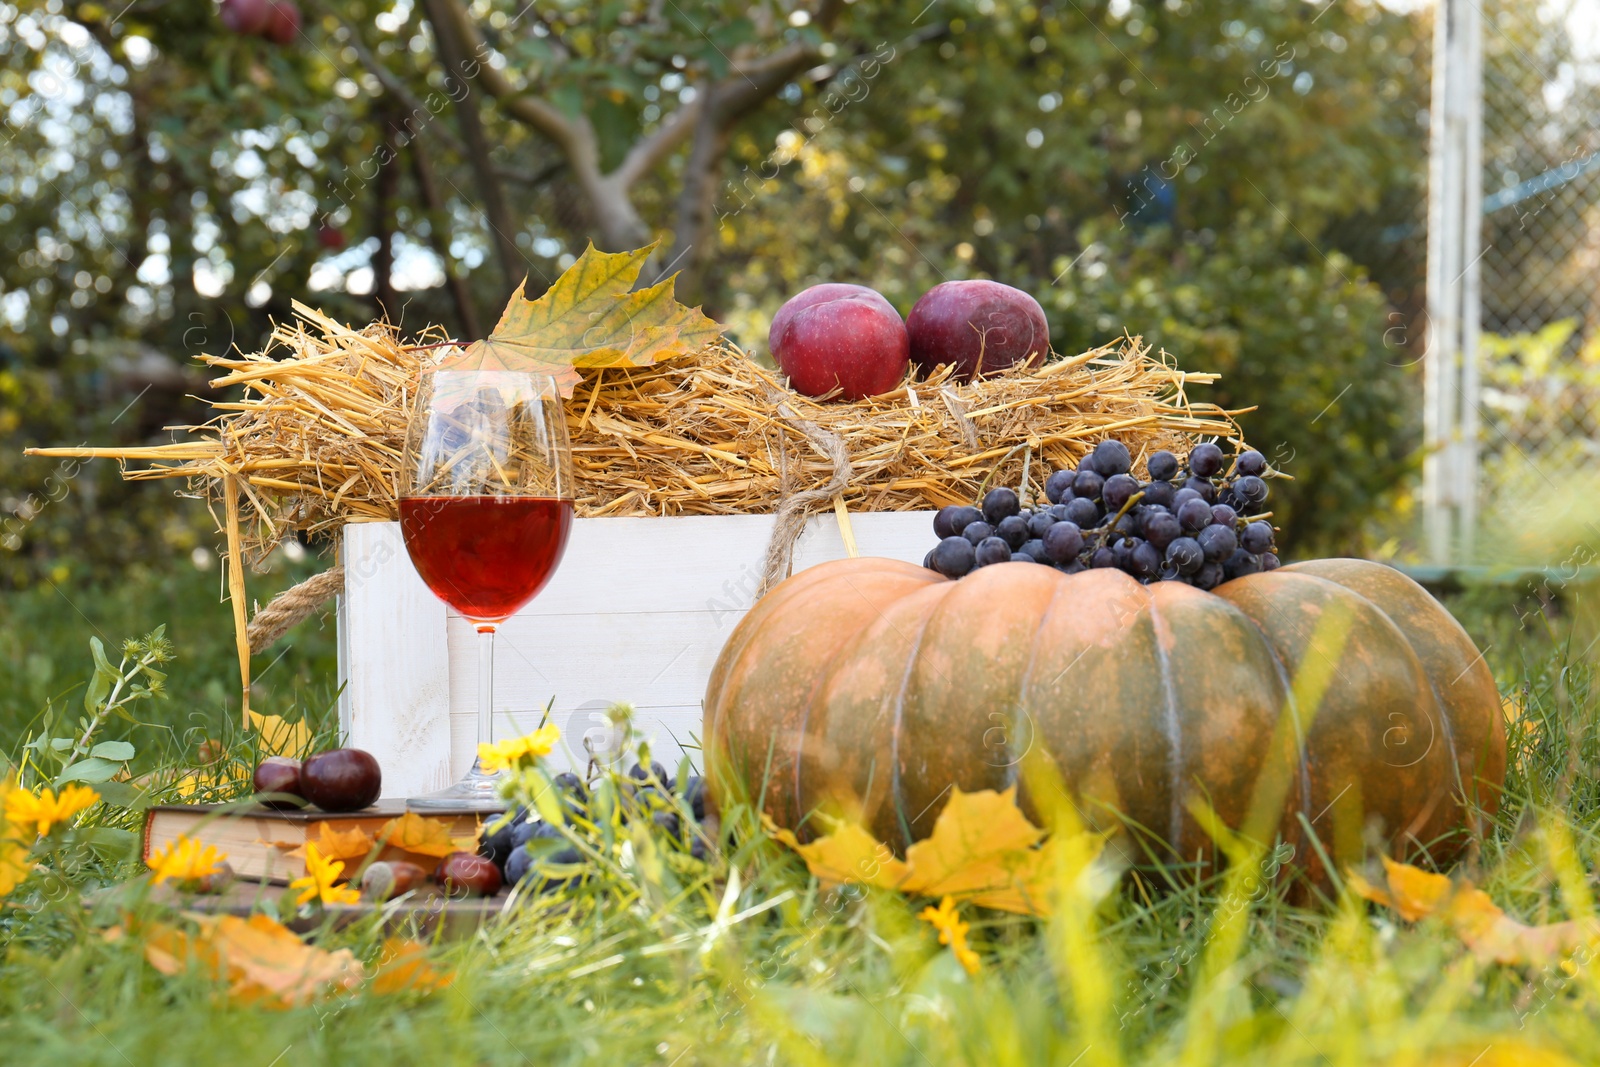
(476, 792)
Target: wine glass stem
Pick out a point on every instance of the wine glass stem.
(485, 684)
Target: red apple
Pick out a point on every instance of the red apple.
(837, 335)
(247, 17)
(976, 321)
(283, 23)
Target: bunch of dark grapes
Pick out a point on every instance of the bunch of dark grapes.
(1202, 521)
(528, 849)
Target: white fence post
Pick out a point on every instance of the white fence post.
(1455, 221)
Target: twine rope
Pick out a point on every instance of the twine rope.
(293, 605)
(795, 508)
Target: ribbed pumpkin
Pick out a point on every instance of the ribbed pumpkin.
(873, 685)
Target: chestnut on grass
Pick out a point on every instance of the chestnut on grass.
(467, 873)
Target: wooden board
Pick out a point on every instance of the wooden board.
(637, 612)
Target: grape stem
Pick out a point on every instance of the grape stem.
(1132, 500)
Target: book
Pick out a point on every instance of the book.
(258, 840)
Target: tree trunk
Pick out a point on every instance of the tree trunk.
(692, 232)
(502, 226)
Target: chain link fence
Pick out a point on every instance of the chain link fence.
(1538, 323)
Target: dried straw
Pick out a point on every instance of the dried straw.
(316, 440)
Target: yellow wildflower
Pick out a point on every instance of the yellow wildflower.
(14, 865)
(952, 932)
(507, 755)
(185, 859)
(321, 873)
(44, 809)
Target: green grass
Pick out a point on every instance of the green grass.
(638, 971)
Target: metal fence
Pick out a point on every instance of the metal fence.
(1513, 357)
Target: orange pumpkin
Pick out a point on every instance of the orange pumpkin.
(872, 686)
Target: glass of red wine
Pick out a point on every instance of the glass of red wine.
(485, 509)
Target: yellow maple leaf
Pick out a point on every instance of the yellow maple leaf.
(336, 844)
(982, 851)
(279, 737)
(415, 833)
(1478, 921)
(590, 317)
(403, 965)
(263, 961)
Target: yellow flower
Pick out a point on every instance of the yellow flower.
(952, 932)
(185, 859)
(507, 755)
(14, 865)
(321, 873)
(44, 810)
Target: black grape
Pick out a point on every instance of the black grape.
(1223, 515)
(668, 821)
(1043, 520)
(927, 561)
(1103, 557)
(1194, 514)
(1087, 464)
(992, 550)
(1057, 485)
(1117, 491)
(1161, 529)
(977, 531)
(1208, 577)
(497, 846)
(1226, 496)
(1059, 511)
(953, 519)
(1087, 484)
(699, 849)
(1033, 549)
(1269, 561)
(1240, 564)
(1257, 538)
(694, 794)
(1251, 462)
(1207, 491)
(1144, 560)
(1163, 466)
(1205, 460)
(1161, 493)
(1111, 457)
(1123, 551)
(1063, 543)
(1074, 567)
(1083, 512)
(1127, 526)
(1013, 530)
(530, 831)
(1186, 555)
(1218, 543)
(655, 774)
(1252, 489)
(518, 863)
(954, 557)
(1181, 497)
(998, 503)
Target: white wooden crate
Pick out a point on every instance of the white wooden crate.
(637, 612)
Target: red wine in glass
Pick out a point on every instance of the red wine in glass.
(486, 556)
(485, 509)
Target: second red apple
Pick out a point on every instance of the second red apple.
(840, 336)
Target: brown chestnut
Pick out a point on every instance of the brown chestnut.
(280, 775)
(344, 779)
(387, 879)
(470, 874)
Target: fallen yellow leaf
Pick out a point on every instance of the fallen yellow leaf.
(982, 851)
(415, 833)
(403, 965)
(279, 737)
(352, 844)
(263, 961)
(1478, 921)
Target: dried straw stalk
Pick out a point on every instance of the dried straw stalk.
(315, 440)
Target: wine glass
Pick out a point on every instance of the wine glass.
(485, 509)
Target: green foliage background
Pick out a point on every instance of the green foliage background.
(169, 188)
